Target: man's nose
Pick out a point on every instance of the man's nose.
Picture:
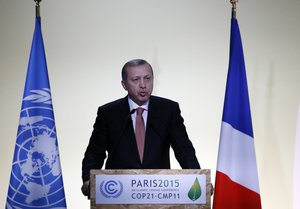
(142, 84)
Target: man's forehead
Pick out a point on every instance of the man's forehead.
(140, 74)
(141, 70)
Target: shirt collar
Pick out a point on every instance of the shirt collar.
(133, 105)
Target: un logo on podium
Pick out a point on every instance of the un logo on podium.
(111, 188)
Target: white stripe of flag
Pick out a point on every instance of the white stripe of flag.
(237, 157)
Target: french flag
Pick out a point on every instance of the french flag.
(236, 185)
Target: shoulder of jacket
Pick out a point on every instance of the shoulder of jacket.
(116, 104)
(163, 100)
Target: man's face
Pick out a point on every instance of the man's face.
(139, 83)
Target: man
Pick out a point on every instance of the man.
(117, 122)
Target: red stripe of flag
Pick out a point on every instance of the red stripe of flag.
(233, 195)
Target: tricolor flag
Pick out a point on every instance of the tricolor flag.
(236, 185)
(36, 178)
(296, 184)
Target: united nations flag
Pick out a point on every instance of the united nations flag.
(36, 178)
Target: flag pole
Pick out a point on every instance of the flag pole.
(37, 8)
(233, 10)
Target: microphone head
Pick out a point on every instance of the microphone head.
(132, 111)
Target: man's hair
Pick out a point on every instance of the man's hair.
(133, 63)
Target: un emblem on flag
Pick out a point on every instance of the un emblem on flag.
(36, 179)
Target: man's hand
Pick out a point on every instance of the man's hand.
(211, 188)
(85, 189)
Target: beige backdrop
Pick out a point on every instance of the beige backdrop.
(187, 41)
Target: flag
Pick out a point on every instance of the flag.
(36, 177)
(236, 185)
(296, 185)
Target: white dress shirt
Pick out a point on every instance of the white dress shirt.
(133, 105)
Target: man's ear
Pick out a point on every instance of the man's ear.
(124, 85)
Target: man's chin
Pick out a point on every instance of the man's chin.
(143, 100)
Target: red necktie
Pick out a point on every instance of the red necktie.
(140, 132)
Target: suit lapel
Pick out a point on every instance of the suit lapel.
(126, 131)
(152, 128)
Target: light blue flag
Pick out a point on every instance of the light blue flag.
(36, 178)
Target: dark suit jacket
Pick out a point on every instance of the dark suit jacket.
(113, 133)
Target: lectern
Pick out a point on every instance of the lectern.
(155, 189)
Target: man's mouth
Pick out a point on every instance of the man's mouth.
(143, 93)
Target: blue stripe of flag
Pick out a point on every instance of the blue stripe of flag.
(236, 105)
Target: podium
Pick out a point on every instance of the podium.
(148, 188)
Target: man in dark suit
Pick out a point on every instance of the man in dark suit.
(114, 129)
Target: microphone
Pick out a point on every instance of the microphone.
(132, 111)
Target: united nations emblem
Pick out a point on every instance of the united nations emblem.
(36, 178)
(111, 188)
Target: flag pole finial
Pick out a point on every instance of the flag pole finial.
(233, 10)
(37, 8)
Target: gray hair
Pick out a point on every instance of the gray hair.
(133, 63)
